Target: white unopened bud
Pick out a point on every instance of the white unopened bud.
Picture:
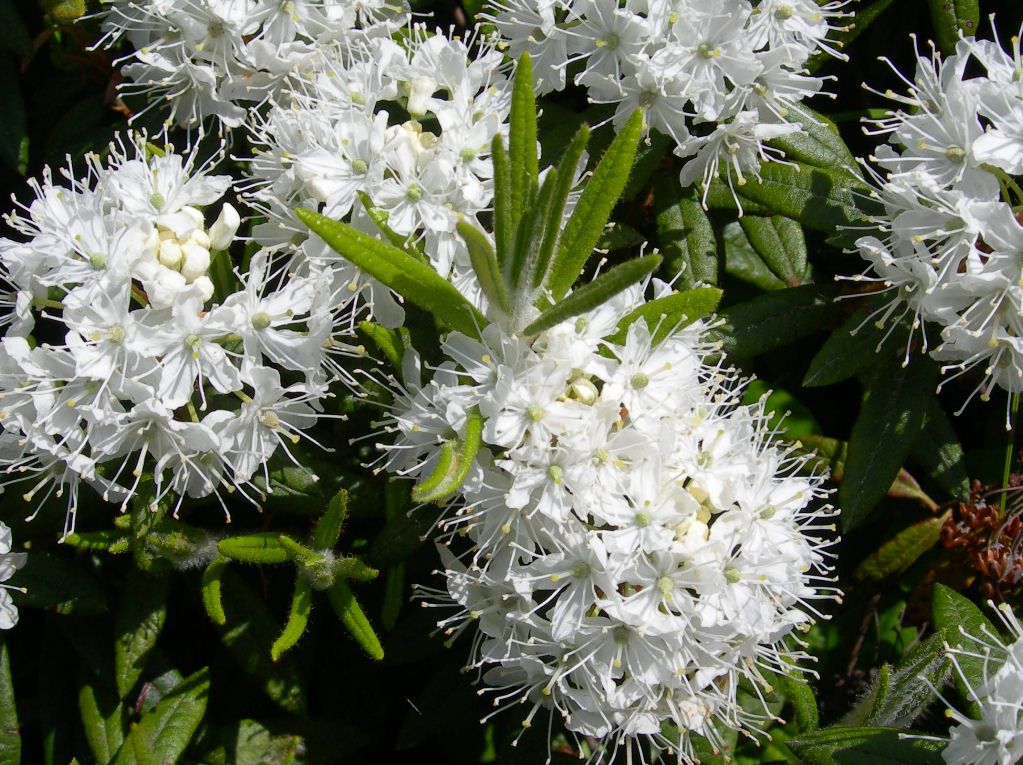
(224, 228)
(196, 262)
(170, 254)
(420, 89)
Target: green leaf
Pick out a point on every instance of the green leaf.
(392, 343)
(556, 208)
(328, 528)
(939, 452)
(850, 349)
(620, 236)
(343, 601)
(504, 222)
(529, 236)
(522, 138)
(649, 158)
(13, 124)
(298, 617)
(484, 264)
(251, 632)
(14, 36)
(804, 703)
(264, 547)
(818, 144)
(379, 218)
(780, 244)
(822, 199)
(684, 233)
(248, 742)
(865, 746)
(211, 590)
(595, 293)
(456, 459)
(785, 412)
(137, 625)
(901, 551)
(350, 567)
(952, 18)
(415, 281)
(776, 319)
(910, 686)
(112, 541)
(162, 735)
(600, 194)
(865, 16)
(669, 313)
(394, 596)
(57, 583)
(891, 417)
(970, 631)
(104, 718)
(743, 262)
(10, 737)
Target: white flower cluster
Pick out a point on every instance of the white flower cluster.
(127, 370)
(717, 76)
(9, 563)
(639, 546)
(336, 138)
(950, 247)
(221, 57)
(996, 737)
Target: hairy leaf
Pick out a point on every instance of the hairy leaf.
(455, 463)
(952, 19)
(864, 746)
(10, 738)
(342, 599)
(594, 207)
(670, 313)
(414, 281)
(595, 293)
(298, 617)
(163, 734)
(263, 547)
(967, 629)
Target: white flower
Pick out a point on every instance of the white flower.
(996, 736)
(627, 534)
(9, 563)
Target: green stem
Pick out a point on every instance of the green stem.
(1007, 468)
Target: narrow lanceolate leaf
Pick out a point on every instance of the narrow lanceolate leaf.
(298, 617)
(211, 590)
(10, 738)
(596, 293)
(343, 601)
(104, 718)
(952, 19)
(938, 451)
(328, 528)
(909, 687)
(456, 459)
(670, 313)
(137, 625)
(804, 703)
(59, 584)
(818, 143)
(485, 265)
(264, 547)
(522, 138)
(892, 414)
(850, 349)
(594, 207)
(780, 244)
(379, 218)
(684, 232)
(901, 551)
(528, 238)
(112, 541)
(349, 567)
(163, 734)
(773, 320)
(415, 281)
(392, 343)
(743, 262)
(556, 205)
(841, 745)
(504, 223)
(968, 629)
